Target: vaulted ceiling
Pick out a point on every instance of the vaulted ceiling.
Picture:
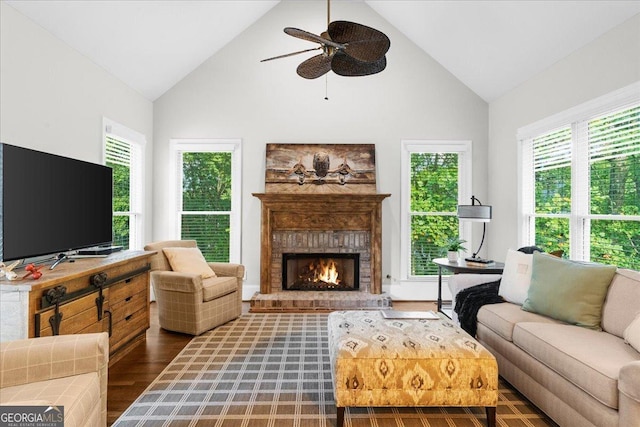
(491, 46)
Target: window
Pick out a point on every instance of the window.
(123, 152)
(435, 179)
(581, 182)
(207, 177)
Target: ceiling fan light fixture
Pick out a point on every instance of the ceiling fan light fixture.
(348, 49)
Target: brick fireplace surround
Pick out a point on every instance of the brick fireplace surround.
(319, 218)
(299, 223)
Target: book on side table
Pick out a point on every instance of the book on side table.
(480, 262)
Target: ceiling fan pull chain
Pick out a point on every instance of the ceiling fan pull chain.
(326, 87)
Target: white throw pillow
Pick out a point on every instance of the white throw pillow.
(631, 335)
(516, 277)
(188, 260)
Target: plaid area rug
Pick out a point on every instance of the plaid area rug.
(273, 370)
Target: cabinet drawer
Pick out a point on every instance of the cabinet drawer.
(77, 316)
(128, 328)
(120, 310)
(127, 288)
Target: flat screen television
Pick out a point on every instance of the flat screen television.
(51, 204)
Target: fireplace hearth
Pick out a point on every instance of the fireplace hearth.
(320, 272)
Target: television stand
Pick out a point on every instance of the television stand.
(67, 301)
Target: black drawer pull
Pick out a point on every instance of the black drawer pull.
(128, 280)
(128, 299)
(128, 317)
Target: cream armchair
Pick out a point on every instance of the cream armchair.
(63, 370)
(188, 303)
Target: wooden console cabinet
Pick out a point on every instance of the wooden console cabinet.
(87, 295)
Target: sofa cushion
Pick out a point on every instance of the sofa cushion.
(79, 394)
(502, 318)
(516, 277)
(623, 302)
(570, 291)
(188, 260)
(632, 334)
(589, 359)
(216, 287)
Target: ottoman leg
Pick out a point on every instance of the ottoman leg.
(340, 416)
(491, 416)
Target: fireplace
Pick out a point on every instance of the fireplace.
(320, 208)
(320, 272)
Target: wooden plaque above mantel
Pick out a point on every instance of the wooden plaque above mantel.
(320, 168)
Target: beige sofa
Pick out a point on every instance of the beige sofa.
(64, 370)
(579, 377)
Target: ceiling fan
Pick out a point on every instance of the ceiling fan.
(348, 49)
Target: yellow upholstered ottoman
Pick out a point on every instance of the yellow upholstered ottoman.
(408, 362)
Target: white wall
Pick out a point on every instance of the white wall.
(608, 63)
(233, 95)
(53, 99)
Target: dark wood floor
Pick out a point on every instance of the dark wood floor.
(131, 375)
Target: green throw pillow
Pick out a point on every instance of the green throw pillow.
(571, 291)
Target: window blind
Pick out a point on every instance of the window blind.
(552, 151)
(615, 136)
(118, 157)
(118, 152)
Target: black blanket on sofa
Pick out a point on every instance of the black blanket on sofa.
(469, 301)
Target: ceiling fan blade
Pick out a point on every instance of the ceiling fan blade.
(362, 42)
(290, 54)
(315, 67)
(305, 35)
(344, 65)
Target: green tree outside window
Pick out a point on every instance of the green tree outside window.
(206, 202)
(433, 206)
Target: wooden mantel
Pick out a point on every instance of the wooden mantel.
(321, 211)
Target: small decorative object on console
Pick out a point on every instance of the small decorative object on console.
(7, 270)
(33, 271)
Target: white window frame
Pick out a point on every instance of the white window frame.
(233, 146)
(464, 150)
(138, 143)
(578, 118)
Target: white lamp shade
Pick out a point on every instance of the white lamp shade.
(477, 213)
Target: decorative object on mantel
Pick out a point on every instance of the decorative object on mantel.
(476, 213)
(309, 166)
(348, 49)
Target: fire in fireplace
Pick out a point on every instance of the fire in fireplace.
(320, 272)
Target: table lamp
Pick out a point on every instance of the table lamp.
(476, 213)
